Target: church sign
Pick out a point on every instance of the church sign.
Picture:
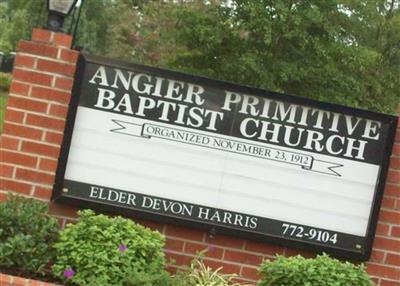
(225, 158)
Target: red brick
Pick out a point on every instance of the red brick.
(50, 94)
(55, 138)
(69, 55)
(37, 49)
(392, 190)
(174, 244)
(14, 116)
(242, 257)
(383, 271)
(41, 35)
(382, 229)
(210, 250)
(377, 256)
(394, 163)
(375, 279)
(393, 176)
(397, 204)
(226, 267)
(34, 176)
(250, 273)
(224, 240)
(396, 149)
(62, 210)
(19, 281)
(395, 231)
(17, 158)
(178, 259)
(172, 269)
(386, 244)
(21, 131)
(388, 203)
(40, 149)
(5, 278)
(393, 259)
(3, 198)
(194, 248)
(389, 283)
(35, 283)
(11, 185)
(6, 170)
(64, 83)
(263, 248)
(397, 138)
(42, 193)
(389, 216)
(56, 67)
(214, 252)
(32, 77)
(8, 142)
(27, 104)
(19, 88)
(48, 164)
(58, 111)
(45, 122)
(24, 61)
(182, 232)
(63, 40)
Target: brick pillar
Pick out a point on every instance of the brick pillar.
(34, 120)
(384, 264)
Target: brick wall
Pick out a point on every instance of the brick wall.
(30, 144)
(385, 260)
(8, 280)
(36, 109)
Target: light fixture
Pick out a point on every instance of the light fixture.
(58, 10)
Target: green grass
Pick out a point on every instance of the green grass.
(3, 104)
(5, 81)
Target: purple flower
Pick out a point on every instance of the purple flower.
(69, 273)
(211, 247)
(122, 248)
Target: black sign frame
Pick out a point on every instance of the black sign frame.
(62, 197)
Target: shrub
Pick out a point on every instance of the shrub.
(198, 274)
(100, 250)
(136, 278)
(27, 236)
(321, 271)
(5, 81)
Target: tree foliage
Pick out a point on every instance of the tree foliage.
(343, 52)
(340, 51)
(17, 18)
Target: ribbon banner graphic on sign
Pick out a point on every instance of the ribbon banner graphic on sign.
(225, 144)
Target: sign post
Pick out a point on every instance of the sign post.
(220, 156)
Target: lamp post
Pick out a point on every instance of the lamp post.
(58, 10)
